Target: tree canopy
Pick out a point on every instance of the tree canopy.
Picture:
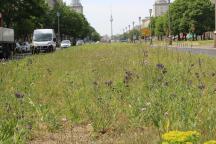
(26, 15)
(187, 16)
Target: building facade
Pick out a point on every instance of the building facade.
(52, 3)
(146, 22)
(160, 7)
(77, 6)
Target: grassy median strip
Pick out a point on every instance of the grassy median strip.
(118, 89)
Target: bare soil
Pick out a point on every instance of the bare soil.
(84, 134)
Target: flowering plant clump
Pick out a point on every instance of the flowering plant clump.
(178, 137)
(210, 142)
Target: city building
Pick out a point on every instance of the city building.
(146, 22)
(77, 6)
(52, 3)
(160, 7)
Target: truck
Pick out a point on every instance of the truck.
(43, 40)
(7, 43)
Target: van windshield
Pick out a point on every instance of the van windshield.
(39, 37)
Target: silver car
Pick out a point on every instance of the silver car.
(65, 44)
(80, 42)
(25, 47)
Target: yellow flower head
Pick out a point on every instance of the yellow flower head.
(181, 137)
(210, 142)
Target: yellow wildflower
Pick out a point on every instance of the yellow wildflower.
(210, 142)
(181, 137)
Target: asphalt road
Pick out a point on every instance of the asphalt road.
(23, 55)
(206, 51)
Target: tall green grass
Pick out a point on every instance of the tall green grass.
(118, 87)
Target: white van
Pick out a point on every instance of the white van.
(43, 40)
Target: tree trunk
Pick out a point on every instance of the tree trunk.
(179, 38)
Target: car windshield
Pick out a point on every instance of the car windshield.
(65, 42)
(39, 37)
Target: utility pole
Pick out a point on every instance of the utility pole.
(111, 21)
(59, 37)
(170, 32)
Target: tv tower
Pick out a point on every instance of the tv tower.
(111, 21)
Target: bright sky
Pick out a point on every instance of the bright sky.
(124, 13)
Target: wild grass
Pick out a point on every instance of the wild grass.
(120, 88)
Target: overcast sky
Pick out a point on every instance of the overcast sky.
(124, 13)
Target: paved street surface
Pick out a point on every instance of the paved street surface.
(20, 56)
(197, 50)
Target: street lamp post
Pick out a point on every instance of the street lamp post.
(1, 20)
(58, 15)
(140, 19)
(215, 27)
(150, 12)
(133, 25)
(134, 36)
(170, 33)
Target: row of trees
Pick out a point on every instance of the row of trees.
(131, 35)
(186, 16)
(26, 15)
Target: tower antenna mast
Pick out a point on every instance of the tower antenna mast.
(111, 22)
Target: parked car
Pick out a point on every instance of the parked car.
(43, 40)
(25, 47)
(80, 42)
(18, 48)
(65, 44)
